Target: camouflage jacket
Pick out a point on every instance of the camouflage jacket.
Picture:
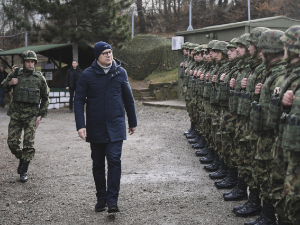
(22, 110)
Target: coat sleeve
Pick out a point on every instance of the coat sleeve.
(67, 79)
(4, 85)
(129, 102)
(79, 101)
(44, 90)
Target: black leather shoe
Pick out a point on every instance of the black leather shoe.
(214, 166)
(239, 192)
(209, 158)
(230, 182)
(239, 207)
(100, 206)
(19, 167)
(200, 144)
(220, 173)
(112, 207)
(251, 207)
(252, 222)
(192, 134)
(202, 152)
(188, 131)
(194, 140)
(267, 216)
(223, 180)
(23, 172)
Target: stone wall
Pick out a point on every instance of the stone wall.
(164, 91)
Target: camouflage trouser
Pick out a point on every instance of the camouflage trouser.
(15, 128)
(200, 115)
(292, 187)
(193, 106)
(215, 124)
(207, 121)
(7, 98)
(226, 133)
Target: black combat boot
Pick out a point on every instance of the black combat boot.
(195, 139)
(101, 205)
(252, 207)
(19, 167)
(214, 166)
(192, 134)
(191, 128)
(23, 172)
(209, 158)
(220, 173)
(203, 152)
(230, 182)
(239, 192)
(267, 216)
(200, 144)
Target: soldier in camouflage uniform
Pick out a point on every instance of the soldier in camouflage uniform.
(30, 103)
(247, 144)
(208, 109)
(272, 49)
(287, 202)
(222, 62)
(228, 139)
(223, 96)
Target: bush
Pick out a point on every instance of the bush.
(145, 54)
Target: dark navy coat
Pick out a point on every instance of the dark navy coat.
(106, 96)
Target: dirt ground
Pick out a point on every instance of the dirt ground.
(162, 180)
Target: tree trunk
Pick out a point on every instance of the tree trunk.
(142, 23)
(75, 44)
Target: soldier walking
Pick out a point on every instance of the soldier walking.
(29, 105)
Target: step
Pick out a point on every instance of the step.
(144, 90)
(145, 94)
(148, 98)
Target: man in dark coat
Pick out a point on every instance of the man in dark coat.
(105, 88)
(72, 78)
(3, 75)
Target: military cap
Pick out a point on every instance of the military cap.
(255, 34)
(28, 55)
(221, 46)
(211, 43)
(243, 40)
(291, 39)
(232, 43)
(269, 42)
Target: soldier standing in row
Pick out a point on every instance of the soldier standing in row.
(29, 105)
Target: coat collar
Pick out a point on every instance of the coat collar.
(98, 70)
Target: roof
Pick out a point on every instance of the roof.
(85, 53)
(268, 22)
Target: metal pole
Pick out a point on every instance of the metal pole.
(190, 17)
(132, 25)
(249, 18)
(25, 38)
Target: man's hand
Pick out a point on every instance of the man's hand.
(186, 71)
(191, 72)
(37, 122)
(202, 76)
(288, 98)
(257, 88)
(82, 133)
(214, 78)
(244, 82)
(222, 77)
(181, 64)
(199, 73)
(195, 73)
(277, 90)
(232, 82)
(67, 88)
(207, 76)
(186, 64)
(131, 130)
(13, 81)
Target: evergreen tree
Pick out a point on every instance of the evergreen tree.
(76, 21)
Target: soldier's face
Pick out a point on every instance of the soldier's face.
(200, 56)
(241, 50)
(251, 49)
(196, 57)
(232, 53)
(185, 52)
(218, 55)
(212, 54)
(208, 58)
(29, 64)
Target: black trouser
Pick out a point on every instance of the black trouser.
(72, 92)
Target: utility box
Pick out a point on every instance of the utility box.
(177, 42)
(47, 69)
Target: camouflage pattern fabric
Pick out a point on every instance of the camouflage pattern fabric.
(15, 128)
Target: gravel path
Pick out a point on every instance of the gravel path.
(162, 180)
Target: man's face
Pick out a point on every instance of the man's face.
(29, 64)
(218, 55)
(208, 57)
(251, 49)
(185, 51)
(196, 57)
(106, 57)
(200, 57)
(212, 54)
(241, 50)
(74, 64)
(232, 53)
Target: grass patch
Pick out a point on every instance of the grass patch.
(163, 77)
